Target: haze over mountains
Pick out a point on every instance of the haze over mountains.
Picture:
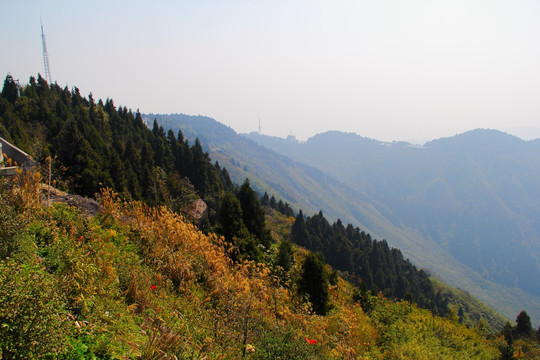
(474, 194)
(463, 207)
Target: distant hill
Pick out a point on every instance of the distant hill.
(289, 180)
(405, 194)
(135, 279)
(474, 194)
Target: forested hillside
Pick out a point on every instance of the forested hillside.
(369, 262)
(474, 194)
(95, 144)
(311, 189)
(138, 280)
(479, 185)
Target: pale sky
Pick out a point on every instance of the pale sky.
(385, 69)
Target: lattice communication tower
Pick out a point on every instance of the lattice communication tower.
(45, 55)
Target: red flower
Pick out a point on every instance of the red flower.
(153, 287)
(311, 342)
(81, 238)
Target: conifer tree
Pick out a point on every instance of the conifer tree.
(507, 331)
(285, 254)
(313, 283)
(10, 91)
(273, 203)
(224, 177)
(230, 221)
(253, 213)
(265, 200)
(299, 233)
(523, 324)
(231, 226)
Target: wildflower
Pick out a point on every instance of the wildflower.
(250, 348)
(153, 287)
(311, 341)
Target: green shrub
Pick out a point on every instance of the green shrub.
(33, 323)
(11, 222)
(279, 343)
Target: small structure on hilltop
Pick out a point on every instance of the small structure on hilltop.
(12, 158)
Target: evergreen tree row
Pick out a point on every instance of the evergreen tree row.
(522, 330)
(96, 144)
(241, 221)
(370, 262)
(280, 206)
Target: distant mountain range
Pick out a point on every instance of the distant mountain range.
(466, 208)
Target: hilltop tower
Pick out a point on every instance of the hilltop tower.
(45, 55)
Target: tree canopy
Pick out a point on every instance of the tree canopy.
(368, 261)
(97, 144)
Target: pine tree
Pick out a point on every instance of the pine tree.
(10, 91)
(231, 226)
(253, 213)
(273, 203)
(182, 155)
(299, 233)
(313, 283)
(224, 177)
(523, 324)
(507, 331)
(230, 221)
(265, 200)
(285, 254)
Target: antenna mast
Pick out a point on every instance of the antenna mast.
(45, 55)
(259, 125)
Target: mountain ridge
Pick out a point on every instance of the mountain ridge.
(502, 200)
(138, 279)
(359, 206)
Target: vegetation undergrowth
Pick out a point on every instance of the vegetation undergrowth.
(139, 282)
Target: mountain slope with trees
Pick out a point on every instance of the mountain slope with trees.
(238, 216)
(303, 186)
(370, 262)
(95, 144)
(136, 282)
(474, 194)
(139, 281)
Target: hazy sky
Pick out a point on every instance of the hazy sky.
(390, 70)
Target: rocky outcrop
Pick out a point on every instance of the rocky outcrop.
(196, 210)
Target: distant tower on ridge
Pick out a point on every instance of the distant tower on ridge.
(260, 126)
(45, 55)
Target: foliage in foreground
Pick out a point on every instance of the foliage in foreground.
(143, 283)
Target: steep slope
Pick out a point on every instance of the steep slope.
(473, 194)
(310, 189)
(135, 282)
(301, 186)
